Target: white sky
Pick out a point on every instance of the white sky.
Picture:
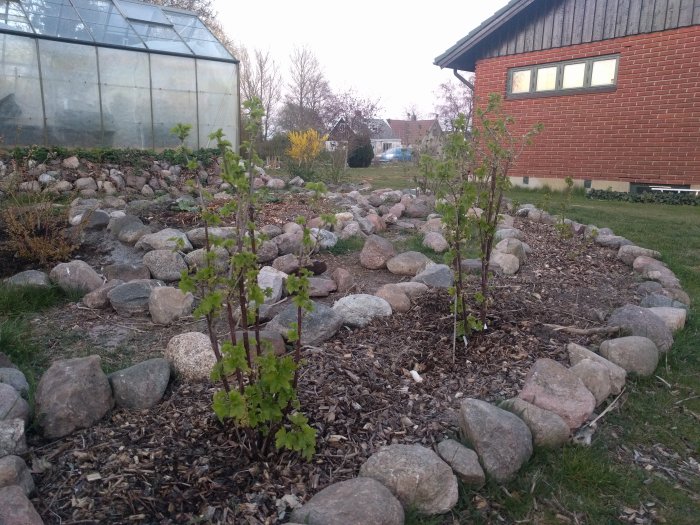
(382, 50)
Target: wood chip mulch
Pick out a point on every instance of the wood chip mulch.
(176, 463)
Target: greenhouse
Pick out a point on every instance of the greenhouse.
(111, 73)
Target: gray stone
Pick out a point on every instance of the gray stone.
(612, 241)
(271, 231)
(351, 229)
(357, 501)
(140, 386)
(96, 220)
(435, 276)
(136, 182)
(413, 290)
(325, 240)
(276, 184)
(654, 300)
(29, 278)
(318, 325)
(12, 437)
(286, 263)
(197, 259)
(656, 271)
(417, 209)
(408, 263)
(289, 242)
(12, 406)
(128, 229)
(15, 378)
(76, 276)
(432, 225)
(86, 183)
(552, 386)
(416, 476)
(166, 304)
(16, 509)
(71, 163)
(72, 394)
(274, 280)
(359, 310)
(436, 242)
(376, 252)
(548, 429)
(321, 286)
(191, 356)
(126, 272)
(165, 265)
(505, 263)
(463, 461)
(617, 374)
(395, 296)
(132, 298)
(501, 439)
(512, 246)
(14, 471)
(296, 181)
(197, 236)
(269, 340)
(638, 355)
(471, 266)
(508, 233)
(166, 239)
(673, 318)
(596, 378)
(267, 251)
(635, 320)
(629, 252)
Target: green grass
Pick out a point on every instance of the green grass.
(395, 176)
(346, 246)
(16, 300)
(414, 243)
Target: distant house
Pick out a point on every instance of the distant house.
(380, 134)
(425, 135)
(615, 83)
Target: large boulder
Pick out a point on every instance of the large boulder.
(318, 325)
(77, 276)
(416, 476)
(126, 272)
(165, 265)
(72, 394)
(289, 242)
(617, 374)
(132, 298)
(638, 355)
(501, 439)
(12, 406)
(358, 501)
(552, 386)
(167, 239)
(29, 278)
(140, 386)
(408, 263)
(16, 509)
(197, 259)
(128, 229)
(673, 318)
(321, 286)
(436, 242)
(395, 296)
(508, 233)
(14, 471)
(286, 263)
(464, 462)
(166, 304)
(596, 378)
(413, 290)
(548, 429)
(15, 378)
(512, 246)
(505, 263)
(191, 355)
(273, 280)
(635, 320)
(611, 241)
(436, 276)
(100, 298)
(655, 270)
(197, 236)
(376, 252)
(359, 310)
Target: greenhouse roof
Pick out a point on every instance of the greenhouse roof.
(116, 23)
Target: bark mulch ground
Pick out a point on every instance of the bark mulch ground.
(176, 463)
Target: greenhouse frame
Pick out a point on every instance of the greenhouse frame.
(111, 73)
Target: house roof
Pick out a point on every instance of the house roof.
(412, 131)
(379, 129)
(461, 55)
(534, 25)
(127, 24)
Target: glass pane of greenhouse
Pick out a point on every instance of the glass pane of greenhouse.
(114, 73)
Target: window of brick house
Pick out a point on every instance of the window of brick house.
(561, 78)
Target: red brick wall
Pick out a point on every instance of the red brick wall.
(646, 131)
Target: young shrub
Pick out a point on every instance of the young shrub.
(258, 387)
(304, 149)
(360, 154)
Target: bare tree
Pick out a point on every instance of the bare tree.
(454, 98)
(308, 93)
(260, 78)
(349, 105)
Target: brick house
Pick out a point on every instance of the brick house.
(616, 84)
(424, 135)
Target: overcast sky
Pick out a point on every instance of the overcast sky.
(381, 49)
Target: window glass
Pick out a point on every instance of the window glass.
(143, 12)
(217, 99)
(106, 23)
(546, 78)
(161, 38)
(603, 72)
(12, 16)
(56, 18)
(521, 81)
(197, 36)
(174, 89)
(574, 76)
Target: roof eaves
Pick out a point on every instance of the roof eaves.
(477, 35)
